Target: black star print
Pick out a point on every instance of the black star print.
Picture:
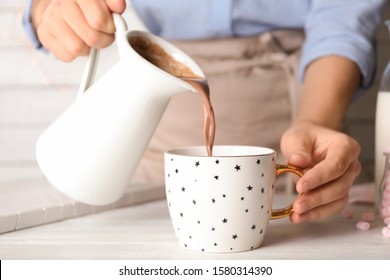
(224, 220)
(197, 163)
(215, 244)
(246, 210)
(198, 222)
(169, 175)
(242, 198)
(262, 174)
(177, 171)
(258, 161)
(235, 236)
(171, 159)
(213, 200)
(213, 229)
(185, 245)
(190, 237)
(238, 167)
(217, 161)
(216, 177)
(262, 206)
(253, 227)
(194, 202)
(183, 189)
(262, 190)
(261, 231)
(273, 186)
(181, 215)
(224, 195)
(249, 188)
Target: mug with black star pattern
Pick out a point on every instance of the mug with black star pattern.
(222, 203)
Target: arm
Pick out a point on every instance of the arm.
(69, 28)
(313, 142)
(338, 59)
(329, 85)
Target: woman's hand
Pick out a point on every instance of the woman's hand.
(68, 28)
(330, 159)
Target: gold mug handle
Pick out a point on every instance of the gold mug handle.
(286, 211)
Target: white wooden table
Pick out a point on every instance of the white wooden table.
(144, 232)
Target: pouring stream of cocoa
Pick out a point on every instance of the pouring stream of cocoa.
(202, 86)
(156, 55)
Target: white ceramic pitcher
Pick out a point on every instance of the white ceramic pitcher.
(92, 150)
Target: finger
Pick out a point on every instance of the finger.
(326, 194)
(97, 15)
(77, 22)
(320, 212)
(51, 43)
(297, 149)
(47, 35)
(337, 160)
(69, 40)
(116, 6)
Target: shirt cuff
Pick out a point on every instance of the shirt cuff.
(28, 26)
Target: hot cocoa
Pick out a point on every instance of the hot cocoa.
(156, 55)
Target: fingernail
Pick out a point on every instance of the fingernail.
(303, 218)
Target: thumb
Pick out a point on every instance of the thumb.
(297, 149)
(116, 6)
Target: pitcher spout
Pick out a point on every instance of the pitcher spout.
(166, 59)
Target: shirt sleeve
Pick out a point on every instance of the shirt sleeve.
(186, 20)
(346, 28)
(28, 27)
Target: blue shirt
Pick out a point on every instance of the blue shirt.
(332, 27)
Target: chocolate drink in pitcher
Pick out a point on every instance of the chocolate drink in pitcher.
(159, 57)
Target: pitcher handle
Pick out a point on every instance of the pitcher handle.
(88, 76)
(89, 71)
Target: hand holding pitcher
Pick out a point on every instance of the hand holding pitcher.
(69, 29)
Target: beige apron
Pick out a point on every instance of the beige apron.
(253, 91)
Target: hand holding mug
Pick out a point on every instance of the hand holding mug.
(332, 162)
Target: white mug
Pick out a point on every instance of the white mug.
(222, 203)
(92, 150)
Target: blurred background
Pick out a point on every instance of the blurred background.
(36, 88)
